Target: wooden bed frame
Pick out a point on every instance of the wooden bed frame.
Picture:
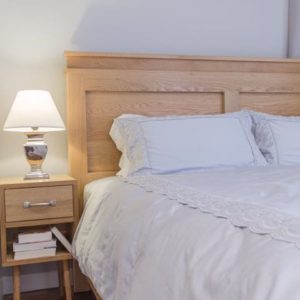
(101, 86)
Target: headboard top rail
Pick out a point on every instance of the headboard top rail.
(69, 54)
(183, 63)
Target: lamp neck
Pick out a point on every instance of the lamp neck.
(35, 136)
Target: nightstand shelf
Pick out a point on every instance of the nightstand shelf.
(16, 217)
(59, 256)
(39, 222)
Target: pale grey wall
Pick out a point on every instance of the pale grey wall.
(35, 33)
(206, 27)
(294, 29)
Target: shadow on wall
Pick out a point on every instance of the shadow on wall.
(129, 26)
(294, 29)
(234, 28)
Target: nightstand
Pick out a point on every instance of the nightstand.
(37, 213)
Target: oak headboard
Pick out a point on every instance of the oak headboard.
(101, 86)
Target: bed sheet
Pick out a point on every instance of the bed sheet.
(138, 244)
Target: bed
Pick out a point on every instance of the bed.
(101, 87)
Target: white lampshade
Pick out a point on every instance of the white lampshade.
(33, 110)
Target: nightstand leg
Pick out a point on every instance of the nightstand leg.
(60, 278)
(67, 284)
(16, 280)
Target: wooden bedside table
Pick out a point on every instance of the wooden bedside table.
(15, 217)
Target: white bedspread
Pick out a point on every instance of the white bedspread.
(139, 242)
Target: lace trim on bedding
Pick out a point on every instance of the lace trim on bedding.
(264, 133)
(135, 148)
(259, 219)
(266, 142)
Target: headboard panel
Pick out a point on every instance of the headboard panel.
(100, 87)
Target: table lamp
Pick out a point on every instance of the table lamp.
(34, 113)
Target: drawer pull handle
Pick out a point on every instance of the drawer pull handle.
(27, 204)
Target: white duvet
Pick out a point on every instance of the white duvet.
(213, 235)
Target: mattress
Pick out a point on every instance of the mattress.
(230, 234)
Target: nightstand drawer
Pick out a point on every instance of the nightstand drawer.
(42, 203)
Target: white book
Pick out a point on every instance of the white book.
(34, 246)
(31, 237)
(62, 238)
(35, 253)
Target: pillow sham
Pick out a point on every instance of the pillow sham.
(277, 138)
(159, 145)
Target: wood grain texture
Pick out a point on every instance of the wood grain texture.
(3, 238)
(39, 222)
(276, 103)
(60, 279)
(101, 86)
(14, 218)
(16, 282)
(15, 182)
(15, 198)
(13, 191)
(59, 256)
(179, 62)
(110, 105)
(66, 276)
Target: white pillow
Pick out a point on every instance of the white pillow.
(159, 145)
(278, 138)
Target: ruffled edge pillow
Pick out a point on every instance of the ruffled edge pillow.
(265, 137)
(127, 135)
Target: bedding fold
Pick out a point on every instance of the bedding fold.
(144, 242)
(265, 201)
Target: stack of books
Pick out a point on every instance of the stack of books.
(34, 245)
